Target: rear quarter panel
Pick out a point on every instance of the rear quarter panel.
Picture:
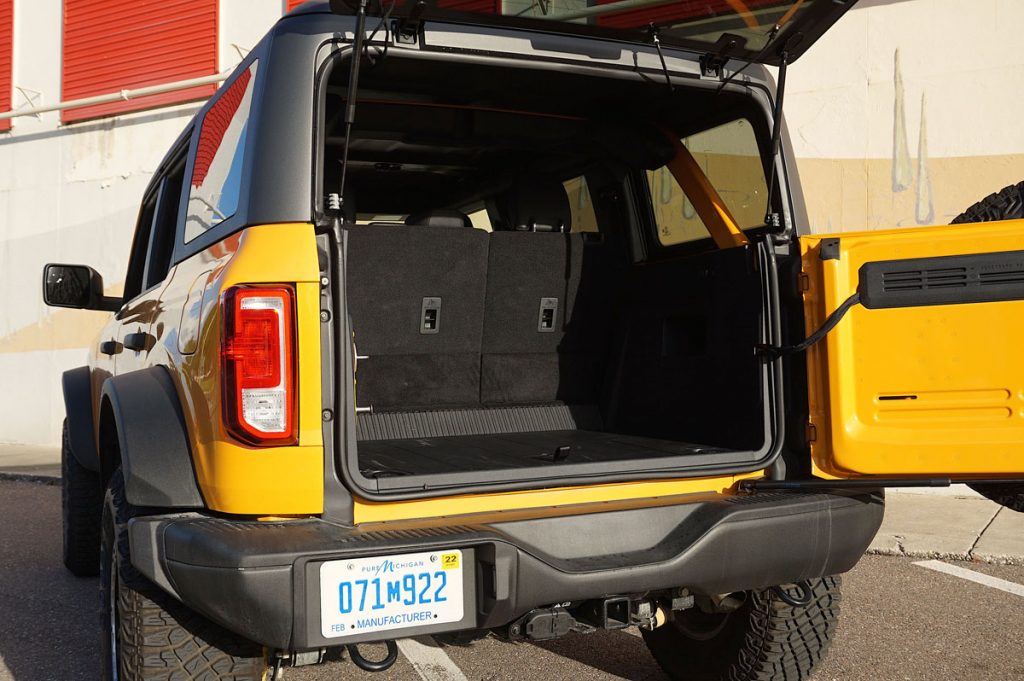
(234, 477)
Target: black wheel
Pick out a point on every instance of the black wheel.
(146, 634)
(779, 633)
(81, 503)
(1007, 204)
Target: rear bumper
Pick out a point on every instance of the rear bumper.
(261, 580)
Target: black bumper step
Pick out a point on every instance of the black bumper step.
(261, 579)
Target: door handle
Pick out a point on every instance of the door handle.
(110, 347)
(138, 341)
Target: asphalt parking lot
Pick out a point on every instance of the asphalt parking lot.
(901, 621)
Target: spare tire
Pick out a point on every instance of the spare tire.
(1007, 204)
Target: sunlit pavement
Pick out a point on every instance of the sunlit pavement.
(901, 621)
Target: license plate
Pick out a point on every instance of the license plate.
(366, 595)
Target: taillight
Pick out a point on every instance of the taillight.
(258, 361)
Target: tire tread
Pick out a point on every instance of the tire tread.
(161, 638)
(1005, 204)
(765, 640)
(81, 495)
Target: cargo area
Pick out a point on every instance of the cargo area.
(513, 315)
(542, 351)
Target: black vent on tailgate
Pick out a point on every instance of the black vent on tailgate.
(947, 280)
(919, 280)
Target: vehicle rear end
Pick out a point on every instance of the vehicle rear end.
(490, 360)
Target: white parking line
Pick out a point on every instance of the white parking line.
(429, 660)
(972, 576)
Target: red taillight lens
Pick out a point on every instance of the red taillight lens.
(254, 348)
(258, 362)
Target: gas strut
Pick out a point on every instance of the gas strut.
(353, 89)
(772, 218)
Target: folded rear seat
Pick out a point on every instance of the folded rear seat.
(416, 298)
(546, 318)
(521, 323)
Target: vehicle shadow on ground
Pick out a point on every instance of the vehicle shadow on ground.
(49, 621)
(618, 653)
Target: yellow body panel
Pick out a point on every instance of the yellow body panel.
(371, 512)
(961, 365)
(234, 477)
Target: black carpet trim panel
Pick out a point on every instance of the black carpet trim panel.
(479, 421)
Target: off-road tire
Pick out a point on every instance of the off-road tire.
(158, 637)
(765, 639)
(81, 501)
(1007, 204)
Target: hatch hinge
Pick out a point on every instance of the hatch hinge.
(829, 249)
(407, 29)
(812, 433)
(712, 65)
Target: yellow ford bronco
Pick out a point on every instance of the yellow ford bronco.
(469, 318)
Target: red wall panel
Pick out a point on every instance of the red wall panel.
(6, 51)
(112, 45)
(680, 11)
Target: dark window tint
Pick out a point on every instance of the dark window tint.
(161, 241)
(137, 260)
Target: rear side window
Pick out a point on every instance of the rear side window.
(161, 241)
(220, 156)
(730, 157)
(581, 204)
(133, 282)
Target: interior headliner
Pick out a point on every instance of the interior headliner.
(423, 142)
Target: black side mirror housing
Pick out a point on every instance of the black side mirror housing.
(76, 286)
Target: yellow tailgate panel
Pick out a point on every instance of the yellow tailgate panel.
(933, 390)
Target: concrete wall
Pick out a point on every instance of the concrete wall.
(905, 114)
(70, 194)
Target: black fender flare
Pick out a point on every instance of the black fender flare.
(156, 457)
(76, 384)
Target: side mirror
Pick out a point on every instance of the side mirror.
(76, 286)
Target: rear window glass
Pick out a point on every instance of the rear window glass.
(220, 155)
(576, 190)
(581, 204)
(730, 157)
(750, 24)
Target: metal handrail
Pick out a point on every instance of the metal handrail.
(121, 95)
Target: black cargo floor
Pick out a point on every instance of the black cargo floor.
(467, 453)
